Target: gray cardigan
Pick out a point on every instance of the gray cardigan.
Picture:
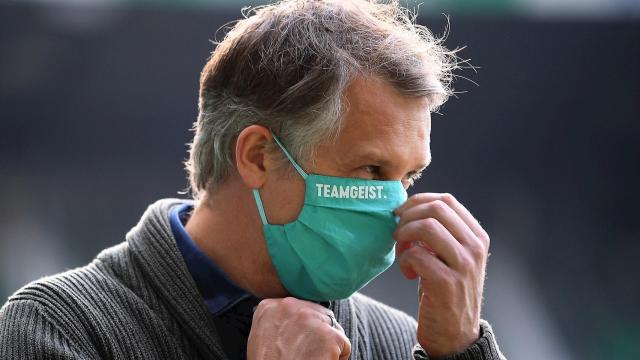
(137, 300)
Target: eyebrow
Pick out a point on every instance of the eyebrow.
(420, 168)
(366, 157)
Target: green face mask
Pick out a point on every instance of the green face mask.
(342, 238)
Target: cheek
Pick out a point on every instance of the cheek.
(283, 199)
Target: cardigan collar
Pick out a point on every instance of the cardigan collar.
(155, 249)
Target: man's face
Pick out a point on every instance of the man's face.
(385, 137)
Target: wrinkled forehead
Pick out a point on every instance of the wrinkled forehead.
(389, 149)
(379, 118)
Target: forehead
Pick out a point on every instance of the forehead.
(381, 121)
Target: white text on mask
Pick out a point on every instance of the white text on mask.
(350, 191)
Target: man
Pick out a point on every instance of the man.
(314, 118)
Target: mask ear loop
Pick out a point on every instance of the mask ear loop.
(263, 217)
(293, 162)
(256, 193)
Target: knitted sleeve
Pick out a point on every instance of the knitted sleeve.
(485, 348)
(27, 332)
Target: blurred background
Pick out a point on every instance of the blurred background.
(97, 98)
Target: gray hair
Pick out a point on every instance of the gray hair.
(286, 66)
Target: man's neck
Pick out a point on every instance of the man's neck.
(225, 229)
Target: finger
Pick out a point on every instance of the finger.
(345, 345)
(416, 199)
(310, 304)
(319, 312)
(449, 199)
(401, 247)
(343, 340)
(406, 268)
(441, 211)
(263, 307)
(425, 264)
(329, 319)
(467, 217)
(431, 233)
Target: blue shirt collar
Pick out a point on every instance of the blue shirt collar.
(219, 292)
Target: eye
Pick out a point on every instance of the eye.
(413, 177)
(373, 170)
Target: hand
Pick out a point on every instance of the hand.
(295, 329)
(443, 244)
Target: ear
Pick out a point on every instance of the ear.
(252, 162)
